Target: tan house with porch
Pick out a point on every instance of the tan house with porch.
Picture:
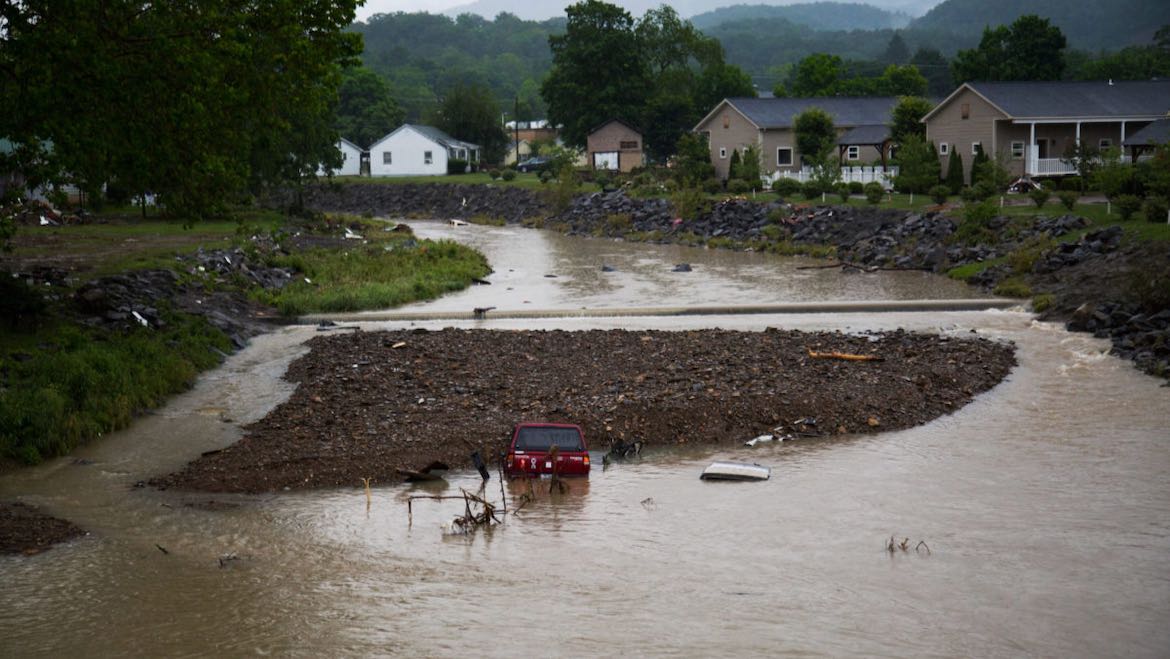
(862, 125)
(616, 146)
(1031, 125)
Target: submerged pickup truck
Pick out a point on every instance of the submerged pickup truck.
(545, 449)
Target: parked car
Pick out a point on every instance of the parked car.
(536, 164)
(544, 449)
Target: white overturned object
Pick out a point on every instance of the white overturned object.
(736, 471)
(756, 440)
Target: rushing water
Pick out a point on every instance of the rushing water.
(1044, 504)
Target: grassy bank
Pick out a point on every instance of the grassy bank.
(63, 382)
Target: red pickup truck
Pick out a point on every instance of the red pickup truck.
(544, 449)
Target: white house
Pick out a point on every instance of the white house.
(351, 160)
(414, 150)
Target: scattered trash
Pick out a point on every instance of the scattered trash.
(477, 460)
(681, 267)
(350, 234)
(608, 268)
(432, 472)
(227, 558)
(481, 282)
(141, 321)
(845, 356)
(550, 276)
(621, 450)
(456, 223)
(649, 504)
(762, 438)
(481, 312)
(873, 422)
(162, 549)
(478, 512)
(736, 471)
(400, 344)
(893, 545)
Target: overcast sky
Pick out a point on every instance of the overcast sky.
(547, 8)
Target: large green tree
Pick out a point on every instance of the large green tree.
(1031, 48)
(366, 110)
(599, 72)
(197, 102)
(471, 113)
(815, 134)
(906, 118)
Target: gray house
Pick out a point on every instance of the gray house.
(862, 128)
(1031, 125)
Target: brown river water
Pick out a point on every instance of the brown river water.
(1045, 505)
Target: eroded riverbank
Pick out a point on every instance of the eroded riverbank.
(368, 403)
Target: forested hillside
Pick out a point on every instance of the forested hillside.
(816, 15)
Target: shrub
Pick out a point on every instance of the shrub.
(602, 178)
(546, 176)
(1155, 209)
(1127, 205)
(508, 174)
(494, 174)
(670, 185)
(968, 195)
(939, 193)
(856, 187)
(712, 186)
(984, 190)
(811, 190)
(456, 166)
(843, 192)
(1042, 302)
(874, 192)
(689, 203)
(619, 222)
(738, 186)
(786, 187)
(974, 228)
(1013, 287)
(1068, 198)
(778, 214)
(644, 179)
(1040, 197)
(1072, 183)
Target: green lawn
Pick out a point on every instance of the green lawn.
(529, 181)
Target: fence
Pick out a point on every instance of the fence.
(885, 175)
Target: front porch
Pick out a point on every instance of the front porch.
(1036, 167)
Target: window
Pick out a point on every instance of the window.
(853, 153)
(428, 158)
(1017, 150)
(965, 111)
(628, 145)
(784, 156)
(726, 122)
(975, 148)
(722, 152)
(1104, 143)
(386, 158)
(943, 148)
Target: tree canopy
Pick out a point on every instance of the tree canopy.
(906, 118)
(1031, 48)
(815, 134)
(196, 102)
(366, 110)
(471, 114)
(821, 74)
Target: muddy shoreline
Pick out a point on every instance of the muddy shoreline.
(368, 403)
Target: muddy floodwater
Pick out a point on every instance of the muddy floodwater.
(1045, 505)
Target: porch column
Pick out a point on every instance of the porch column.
(1078, 133)
(1122, 131)
(1033, 155)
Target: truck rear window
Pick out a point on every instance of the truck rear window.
(541, 439)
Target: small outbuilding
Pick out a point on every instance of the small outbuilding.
(615, 146)
(414, 150)
(351, 160)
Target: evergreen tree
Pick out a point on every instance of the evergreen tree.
(733, 168)
(954, 177)
(978, 164)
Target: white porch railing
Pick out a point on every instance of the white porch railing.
(848, 175)
(1037, 166)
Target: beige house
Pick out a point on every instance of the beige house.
(1031, 125)
(862, 128)
(616, 146)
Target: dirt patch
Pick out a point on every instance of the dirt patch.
(26, 530)
(370, 402)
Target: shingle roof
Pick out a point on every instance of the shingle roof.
(865, 135)
(441, 137)
(1156, 133)
(846, 111)
(1124, 98)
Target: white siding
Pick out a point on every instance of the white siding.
(351, 161)
(407, 148)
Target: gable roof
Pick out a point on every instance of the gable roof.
(615, 120)
(345, 141)
(847, 111)
(431, 133)
(1156, 133)
(865, 136)
(1056, 99)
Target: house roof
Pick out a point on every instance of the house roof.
(846, 111)
(343, 140)
(434, 135)
(865, 135)
(1058, 99)
(606, 123)
(1156, 133)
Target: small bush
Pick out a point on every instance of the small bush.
(738, 186)
(874, 192)
(546, 176)
(644, 179)
(1072, 183)
(974, 228)
(778, 214)
(602, 178)
(786, 187)
(843, 192)
(670, 185)
(856, 187)
(983, 190)
(619, 222)
(1040, 197)
(712, 186)
(1127, 205)
(772, 232)
(811, 190)
(1155, 209)
(494, 174)
(939, 193)
(1068, 199)
(508, 174)
(1013, 288)
(456, 166)
(1042, 302)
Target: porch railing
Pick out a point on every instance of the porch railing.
(1037, 166)
(885, 176)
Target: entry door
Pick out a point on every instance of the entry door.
(1043, 146)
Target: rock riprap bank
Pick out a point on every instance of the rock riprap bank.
(368, 403)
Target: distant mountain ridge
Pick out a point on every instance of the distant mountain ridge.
(543, 9)
(814, 15)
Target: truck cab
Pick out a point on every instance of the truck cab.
(546, 449)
